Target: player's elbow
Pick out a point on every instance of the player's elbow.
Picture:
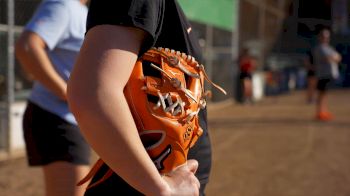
(27, 47)
(77, 98)
(84, 97)
(24, 54)
(21, 46)
(339, 58)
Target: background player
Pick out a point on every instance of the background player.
(47, 50)
(326, 60)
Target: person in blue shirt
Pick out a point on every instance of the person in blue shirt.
(47, 50)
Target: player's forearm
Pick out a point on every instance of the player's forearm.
(35, 61)
(337, 58)
(105, 120)
(95, 96)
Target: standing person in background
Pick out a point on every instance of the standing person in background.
(326, 60)
(247, 64)
(47, 50)
(118, 32)
(311, 77)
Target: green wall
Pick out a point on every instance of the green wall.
(218, 13)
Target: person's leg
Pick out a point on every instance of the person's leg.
(59, 148)
(311, 88)
(322, 106)
(248, 90)
(242, 87)
(61, 178)
(322, 111)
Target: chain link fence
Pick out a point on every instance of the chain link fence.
(22, 11)
(13, 83)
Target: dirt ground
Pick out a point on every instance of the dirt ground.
(272, 148)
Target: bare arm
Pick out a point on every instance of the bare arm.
(30, 51)
(95, 95)
(335, 57)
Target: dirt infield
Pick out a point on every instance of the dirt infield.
(273, 148)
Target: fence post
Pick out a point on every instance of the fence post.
(10, 70)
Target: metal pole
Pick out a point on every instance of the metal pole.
(235, 44)
(235, 28)
(10, 69)
(262, 37)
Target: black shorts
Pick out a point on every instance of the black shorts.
(49, 138)
(244, 75)
(311, 73)
(323, 84)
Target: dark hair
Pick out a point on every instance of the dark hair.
(320, 27)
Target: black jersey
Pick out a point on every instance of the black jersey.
(167, 27)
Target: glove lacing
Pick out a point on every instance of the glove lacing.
(177, 84)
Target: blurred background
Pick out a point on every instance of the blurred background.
(278, 34)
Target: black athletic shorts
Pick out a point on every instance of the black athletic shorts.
(311, 73)
(323, 84)
(49, 138)
(244, 75)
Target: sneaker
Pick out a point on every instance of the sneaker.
(324, 116)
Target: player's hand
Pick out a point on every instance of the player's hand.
(182, 180)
